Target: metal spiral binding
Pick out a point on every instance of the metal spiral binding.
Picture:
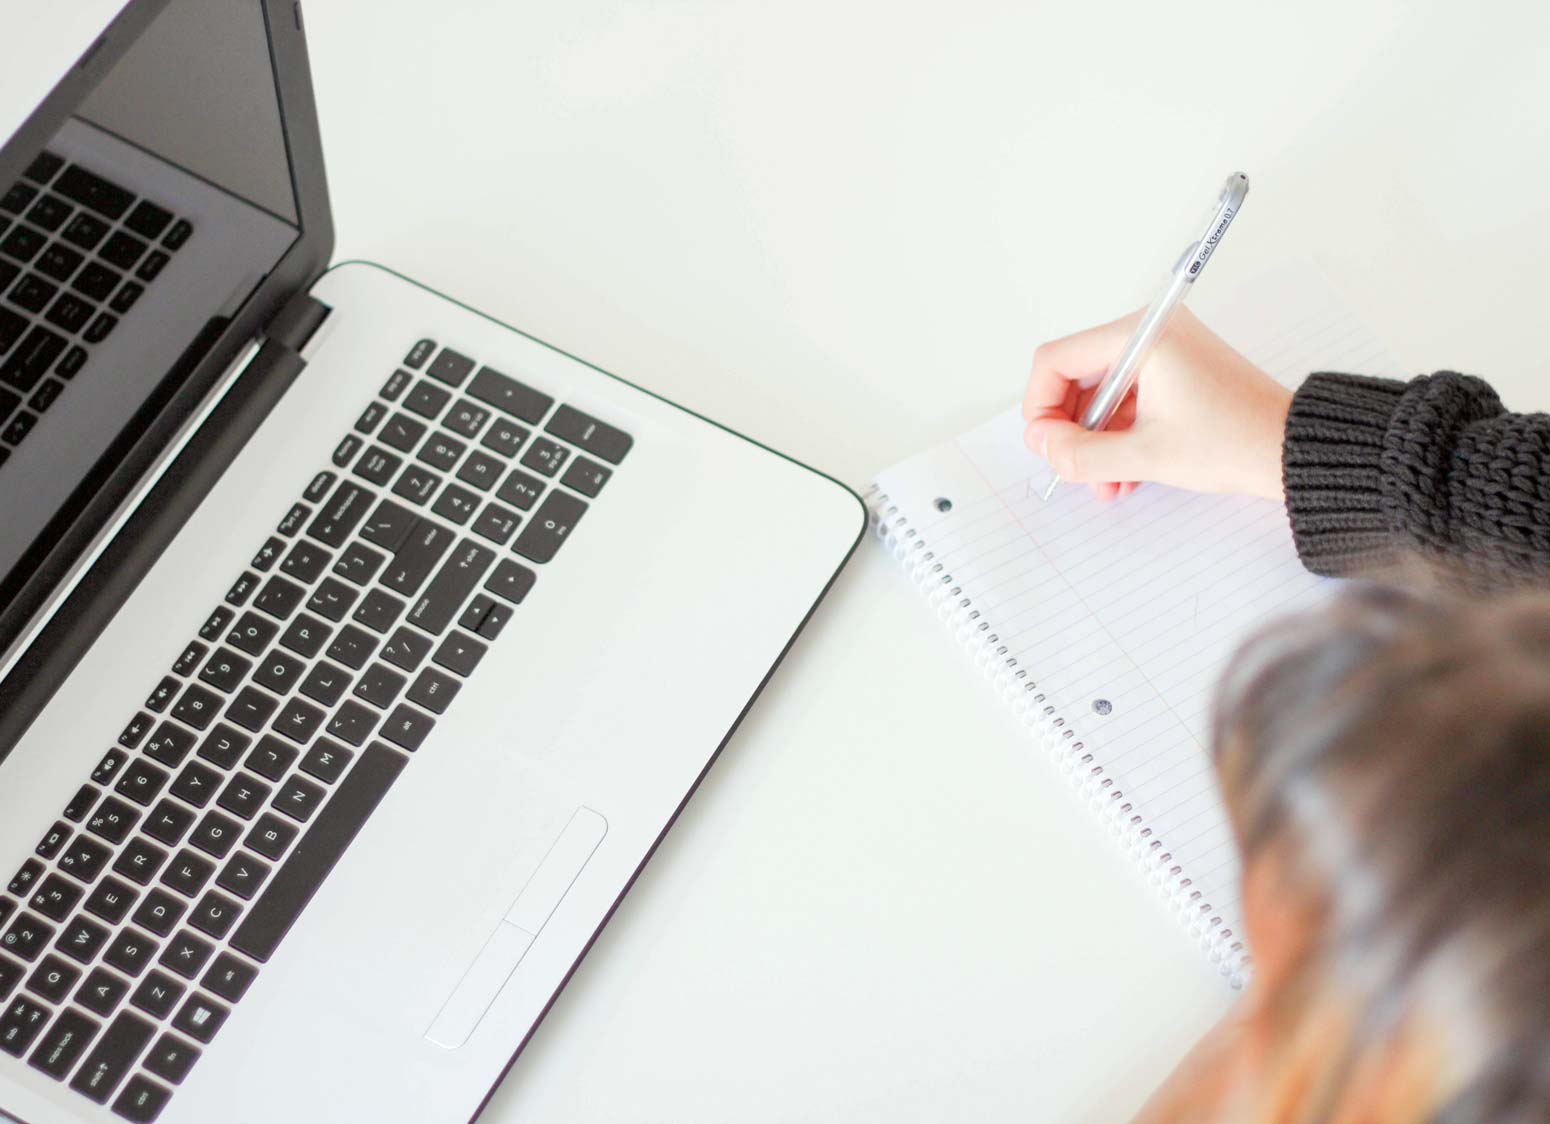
(1014, 684)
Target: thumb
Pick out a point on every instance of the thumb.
(1083, 456)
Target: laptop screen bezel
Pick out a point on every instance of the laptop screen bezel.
(134, 456)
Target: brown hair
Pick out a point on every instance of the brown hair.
(1389, 756)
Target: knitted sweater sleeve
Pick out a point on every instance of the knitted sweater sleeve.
(1376, 469)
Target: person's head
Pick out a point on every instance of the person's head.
(1386, 766)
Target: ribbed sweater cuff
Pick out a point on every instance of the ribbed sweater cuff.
(1330, 470)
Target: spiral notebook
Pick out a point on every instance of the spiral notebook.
(1106, 626)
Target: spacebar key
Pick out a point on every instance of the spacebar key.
(298, 879)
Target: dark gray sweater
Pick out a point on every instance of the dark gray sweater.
(1377, 469)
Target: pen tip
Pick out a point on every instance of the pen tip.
(1050, 491)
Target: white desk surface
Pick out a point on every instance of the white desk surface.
(841, 228)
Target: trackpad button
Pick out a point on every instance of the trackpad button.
(501, 954)
(559, 869)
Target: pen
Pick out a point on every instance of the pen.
(1122, 376)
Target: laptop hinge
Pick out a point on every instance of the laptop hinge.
(295, 324)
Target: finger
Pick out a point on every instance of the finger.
(1106, 492)
(1085, 457)
(1058, 364)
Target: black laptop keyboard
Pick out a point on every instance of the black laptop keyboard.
(76, 253)
(177, 869)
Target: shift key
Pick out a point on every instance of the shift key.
(421, 549)
(450, 588)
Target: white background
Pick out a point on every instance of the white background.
(841, 228)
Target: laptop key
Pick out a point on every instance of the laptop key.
(371, 417)
(19, 1026)
(52, 979)
(243, 796)
(427, 400)
(416, 484)
(389, 525)
(142, 782)
(188, 662)
(197, 706)
(326, 761)
(85, 230)
(15, 199)
(77, 184)
(441, 451)
(299, 720)
(148, 220)
(27, 936)
(113, 820)
(224, 745)
(378, 611)
(139, 861)
(434, 690)
(141, 1101)
(459, 653)
(81, 803)
(225, 670)
(520, 490)
(353, 722)
(112, 1057)
(587, 477)
(402, 432)
(509, 396)
(332, 599)
(293, 520)
(450, 367)
(186, 954)
(380, 685)
(251, 708)
(158, 994)
(252, 633)
(242, 589)
(271, 835)
(63, 1044)
(188, 872)
(334, 828)
(29, 873)
(549, 527)
(30, 360)
(216, 835)
(102, 992)
(243, 875)
(57, 836)
(395, 385)
(158, 912)
(171, 1058)
(215, 624)
(81, 938)
(55, 897)
(298, 798)
(279, 672)
(84, 859)
(169, 821)
(196, 784)
(200, 1018)
(545, 457)
(111, 900)
(352, 647)
(338, 518)
(345, 451)
(496, 523)
(419, 353)
(359, 564)
(325, 683)
(407, 727)
(406, 649)
(416, 557)
(466, 418)
(178, 235)
(305, 636)
(445, 595)
(229, 977)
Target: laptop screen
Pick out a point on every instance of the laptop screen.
(136, 234)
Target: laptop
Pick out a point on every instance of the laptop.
(356, 649)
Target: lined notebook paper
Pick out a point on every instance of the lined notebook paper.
(1107, 625)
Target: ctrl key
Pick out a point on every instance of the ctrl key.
(141, 1101)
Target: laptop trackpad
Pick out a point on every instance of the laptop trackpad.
(512, 937)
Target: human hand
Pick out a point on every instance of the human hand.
(1201, 416)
